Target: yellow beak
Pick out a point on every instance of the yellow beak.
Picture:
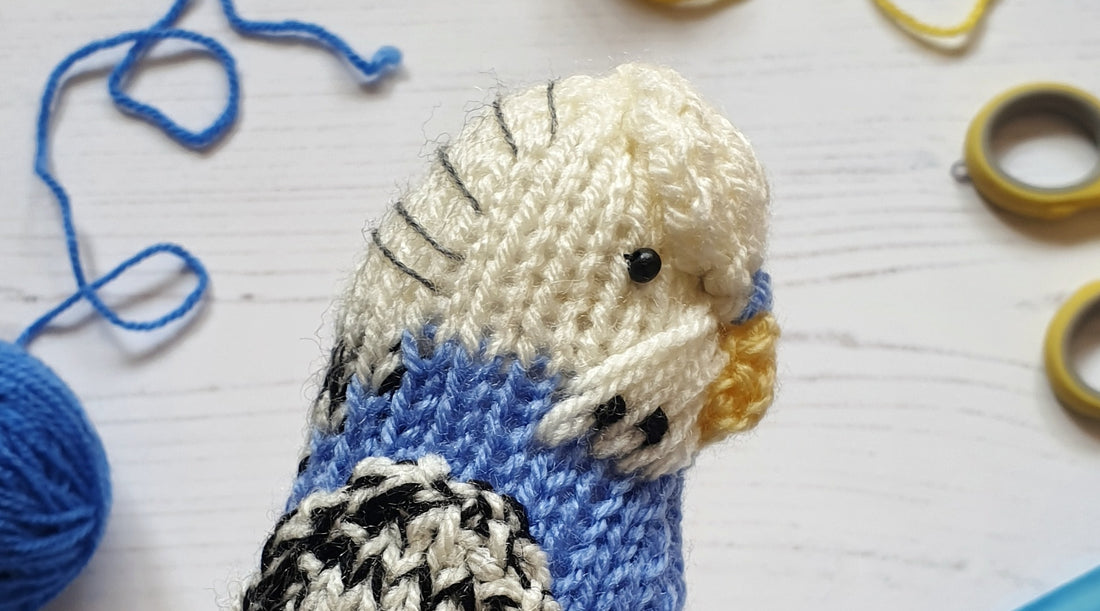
(738, 398)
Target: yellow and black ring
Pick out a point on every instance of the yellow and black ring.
(1008, 193)
(1004, 191)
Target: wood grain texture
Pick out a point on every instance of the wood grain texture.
(914, 459)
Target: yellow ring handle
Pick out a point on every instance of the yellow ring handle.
(1000, 189)
(1067, 385)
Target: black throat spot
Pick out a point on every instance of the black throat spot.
(654, 426)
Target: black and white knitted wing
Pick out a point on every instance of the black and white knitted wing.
(403, 537)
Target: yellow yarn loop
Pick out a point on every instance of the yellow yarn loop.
(687, 2)
(915, 25)
(743, 391)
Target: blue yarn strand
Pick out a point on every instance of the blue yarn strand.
(150, 114)
(385, 59)
(141, 41)
(86, 290)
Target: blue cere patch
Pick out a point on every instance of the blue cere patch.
(760, 300)
(613, 541)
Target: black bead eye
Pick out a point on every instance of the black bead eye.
(644, 264)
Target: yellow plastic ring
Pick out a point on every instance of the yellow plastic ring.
(1067, 384)
(1000, 189)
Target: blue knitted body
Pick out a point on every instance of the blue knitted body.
(613, 540)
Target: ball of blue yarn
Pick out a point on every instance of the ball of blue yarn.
(55, 492)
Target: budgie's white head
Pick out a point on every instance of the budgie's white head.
(611, 226)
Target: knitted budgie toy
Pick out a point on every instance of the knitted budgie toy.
(540, 338)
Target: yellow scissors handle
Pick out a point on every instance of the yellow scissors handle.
(1068, 386)
(1000, 189)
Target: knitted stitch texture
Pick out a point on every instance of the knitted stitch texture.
(546, 330)
(613, 542)
(403, 535)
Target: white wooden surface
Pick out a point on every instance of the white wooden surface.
(914, 459)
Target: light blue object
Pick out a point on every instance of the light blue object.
(760, 300)
(54, 480)
(613, 540)
(1081, 594)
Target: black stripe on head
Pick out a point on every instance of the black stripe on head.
(553, 110)
(399, 265)
(445, 161)
(504, 128)
(418, 228)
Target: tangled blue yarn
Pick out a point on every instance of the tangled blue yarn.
(141, 41)
(54, 481)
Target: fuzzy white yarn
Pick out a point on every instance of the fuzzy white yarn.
(531, 262)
